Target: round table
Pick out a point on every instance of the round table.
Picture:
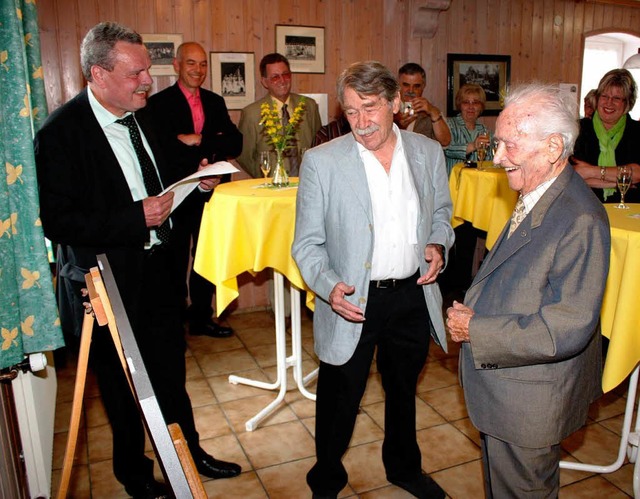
(247, 226)
(483, 197)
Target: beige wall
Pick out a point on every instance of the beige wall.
(543, 37)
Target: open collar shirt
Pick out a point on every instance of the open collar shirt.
(394, 202)
(195, 104)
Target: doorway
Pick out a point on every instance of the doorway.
(603, 52)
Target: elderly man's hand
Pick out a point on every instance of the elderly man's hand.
(458, 318)
(341, 306)
(435, 258)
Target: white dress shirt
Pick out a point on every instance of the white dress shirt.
(394, 202)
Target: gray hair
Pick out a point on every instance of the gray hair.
(368, 78)
(549, 111)
(97, 46)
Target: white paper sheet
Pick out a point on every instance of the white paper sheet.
(182, 188)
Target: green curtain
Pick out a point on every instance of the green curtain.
(28, 314)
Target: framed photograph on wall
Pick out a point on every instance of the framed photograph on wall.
(162, 49)
(491, 72)
(233, 77)
(303, 46)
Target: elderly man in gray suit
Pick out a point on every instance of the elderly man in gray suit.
(531, 358)
(372, 232)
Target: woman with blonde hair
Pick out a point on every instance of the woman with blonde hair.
(467, 133)
(610, 138)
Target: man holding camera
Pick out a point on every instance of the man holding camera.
(416, 113)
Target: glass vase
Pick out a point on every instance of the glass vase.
(280, 176)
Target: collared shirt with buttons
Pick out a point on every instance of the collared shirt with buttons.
(394, 204)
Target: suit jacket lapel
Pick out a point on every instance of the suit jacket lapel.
(352, 172)
(506, 247)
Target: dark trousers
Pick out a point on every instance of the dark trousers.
(199, 290)
(397, 323)
(158, 333)
(517, 472)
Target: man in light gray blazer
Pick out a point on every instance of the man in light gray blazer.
(531, 356)
(372, 232)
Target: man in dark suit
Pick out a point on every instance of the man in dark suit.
(194, 123)
(531, 358)
(94, 172)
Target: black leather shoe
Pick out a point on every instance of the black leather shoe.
(423, 487)
(214, 468)
(209, 328)
(150, 489)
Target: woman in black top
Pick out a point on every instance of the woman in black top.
(611, 138)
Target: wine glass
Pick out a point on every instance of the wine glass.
(623, 179)
(482, 151)
(265, 163)
(483, 137)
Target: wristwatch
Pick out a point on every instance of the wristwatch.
(437, 119)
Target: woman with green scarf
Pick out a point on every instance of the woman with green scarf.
(611, 138)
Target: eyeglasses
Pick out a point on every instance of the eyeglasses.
(613, 98)
(277, 77)
(472, 102)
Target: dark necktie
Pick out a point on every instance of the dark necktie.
(292, 153)
(149, 174)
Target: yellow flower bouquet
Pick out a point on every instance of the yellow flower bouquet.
(279, 136)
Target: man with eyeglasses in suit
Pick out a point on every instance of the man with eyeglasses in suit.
(275, 76)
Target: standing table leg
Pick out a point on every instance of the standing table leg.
(628, 441)
(296, 345)
(281, 359)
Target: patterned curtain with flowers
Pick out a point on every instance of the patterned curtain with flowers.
(28, 314)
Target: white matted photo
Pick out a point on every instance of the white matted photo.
(303, 46)
(162, 49)
(233, 77)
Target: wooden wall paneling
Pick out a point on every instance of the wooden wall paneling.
(126, 13)
(183, 13)
(555, 34)
(69, 54)
(504, 27)
(164, 16)
(106, 11)
(574, 72)
(146, 20)
(567, 47)
(491, 26)
(49, 53)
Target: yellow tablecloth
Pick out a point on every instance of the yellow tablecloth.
(481, 196)
(247, 227)
(620, 314)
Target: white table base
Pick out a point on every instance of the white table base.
(628, 441)
(282, 361)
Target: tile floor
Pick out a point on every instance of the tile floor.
(276, 456)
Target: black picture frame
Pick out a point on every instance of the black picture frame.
(303, 46)
(491, 72)
(233, 77)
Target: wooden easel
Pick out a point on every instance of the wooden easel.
(170, 446)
